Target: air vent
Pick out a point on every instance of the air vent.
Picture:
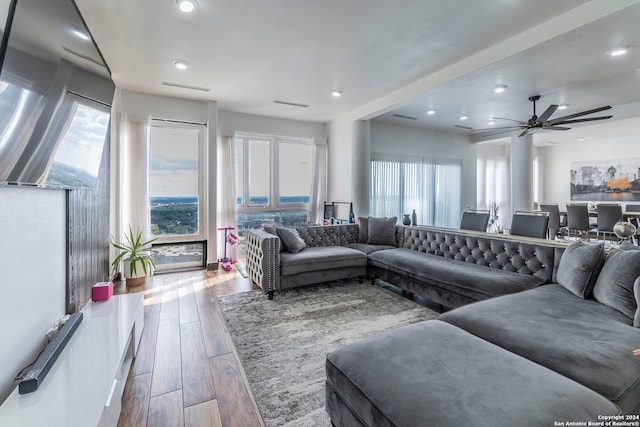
(400, 116)
(463, 127)
(83, 56)
(293, 104)
(178, 85)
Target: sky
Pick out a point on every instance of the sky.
(173, 162)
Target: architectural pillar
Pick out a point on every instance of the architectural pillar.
(521, 172)
(361, 165)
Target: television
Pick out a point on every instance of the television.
(55, 96)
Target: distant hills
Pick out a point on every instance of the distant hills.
(65, 176)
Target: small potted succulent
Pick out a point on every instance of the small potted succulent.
(136, 258)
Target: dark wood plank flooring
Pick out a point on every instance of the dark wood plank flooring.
(187, 372)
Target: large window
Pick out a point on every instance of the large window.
(431, 187)
(273, 180)
(176, 194)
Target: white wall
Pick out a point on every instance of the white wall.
(388, 138)
(230, 122)
(33, 261)
(341, 147)
(557, 159)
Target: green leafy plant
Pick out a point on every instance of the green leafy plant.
(132, 251)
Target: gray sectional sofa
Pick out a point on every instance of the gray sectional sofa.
(557, 354)
(451, 267)
(541, 334)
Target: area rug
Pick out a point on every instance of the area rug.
(283, 343)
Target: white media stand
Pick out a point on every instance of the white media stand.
(84, 386)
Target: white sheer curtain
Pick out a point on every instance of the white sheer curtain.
(431, 187)
(318, 181)
(227, 209)
(493, 186)
(129, 171)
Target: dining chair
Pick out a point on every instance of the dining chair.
(476, 220)
(530, 224)
(577, 219)
(634, 207)
(608, 215)
(555, 223)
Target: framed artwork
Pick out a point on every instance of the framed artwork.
(606, 180)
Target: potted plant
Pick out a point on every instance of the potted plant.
(136, 258)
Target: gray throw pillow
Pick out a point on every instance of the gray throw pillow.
(291, 239)
(382, 231)
(272, 229)
(614, 287)
(579, 267)
(363, 226)
(636, 294)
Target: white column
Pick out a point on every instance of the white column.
(521, 172)
(361, 166)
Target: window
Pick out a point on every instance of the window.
(431, 187)
(176, 194)
(273, 180)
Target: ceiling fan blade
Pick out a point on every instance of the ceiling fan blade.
(555, 128)
(499, 127)
(584, 113)
(584, 120)
(524, 132)
(496, 133)
(547, 113)
(511, 120)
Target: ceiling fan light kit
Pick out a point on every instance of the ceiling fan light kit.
(543, 121)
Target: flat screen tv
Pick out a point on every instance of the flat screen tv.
(55, 96)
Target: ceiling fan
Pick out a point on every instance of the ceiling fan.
(543, 122)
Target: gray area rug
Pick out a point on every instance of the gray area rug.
(283, 343)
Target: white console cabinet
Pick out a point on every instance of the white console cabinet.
(84, 386)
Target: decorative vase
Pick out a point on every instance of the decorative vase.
(414, 218)
(406, 220)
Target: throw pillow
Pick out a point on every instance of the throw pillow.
(272, 229)
(291, 239)
(363, 225)
(382, 231)
(579, 267)
(614, 286)
(636, 293)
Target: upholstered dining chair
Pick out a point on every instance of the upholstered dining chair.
(634, 207)
(530, 224)
(577, 219)
(555, 224)
(608, 215)
(476, 220)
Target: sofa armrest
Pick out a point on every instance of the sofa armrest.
(263, 259)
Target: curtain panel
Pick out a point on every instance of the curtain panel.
(431, 187)
(227, 208)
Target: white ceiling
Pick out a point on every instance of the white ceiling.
(388, 57)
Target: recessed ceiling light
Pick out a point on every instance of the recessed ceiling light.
(491, 123)
(81, 35)
(187, 6)
(431, 112)
(463, 117)
(500, 88)
(563, 106)
(181, 64)
(619, 51)
(336, 93)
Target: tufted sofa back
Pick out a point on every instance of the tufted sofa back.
(329, 235)
(526, 256)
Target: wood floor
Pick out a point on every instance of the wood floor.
(186, 372)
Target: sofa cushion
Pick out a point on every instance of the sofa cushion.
(321, 258)
(291, 239)
(614, 286)
(579, 267)
(382, 231)
(475, 281)
(636, 294)
(368, 249)
(363, 229)
(435, 374)
(581, 339)
(272, 229)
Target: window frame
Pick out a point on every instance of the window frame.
(201, 234)
(274, 204)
